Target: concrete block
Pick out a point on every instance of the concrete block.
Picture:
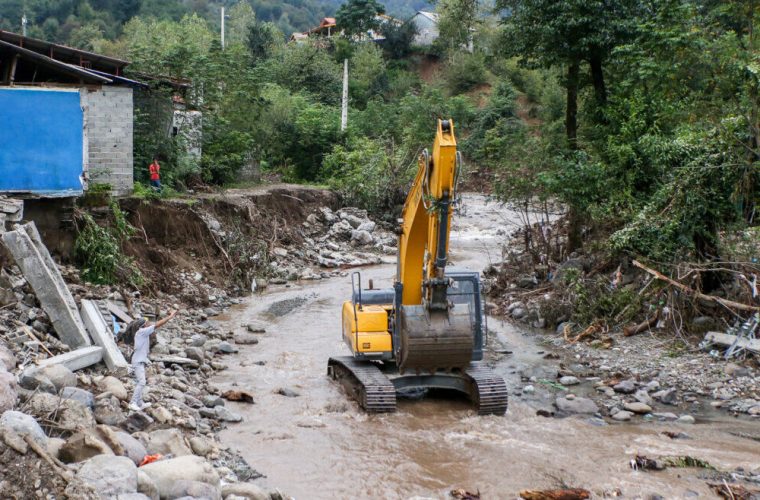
(34, 260)
(76, 360)
(102, 336)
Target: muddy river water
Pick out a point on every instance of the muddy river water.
(319, 445)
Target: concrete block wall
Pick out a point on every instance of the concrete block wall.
(108, 116)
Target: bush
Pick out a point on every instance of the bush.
(464, 71)
(98, 251)
(370, 174)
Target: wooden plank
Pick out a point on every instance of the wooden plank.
(727, 340)
(118, 312)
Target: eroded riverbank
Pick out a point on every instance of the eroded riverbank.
(316, 443)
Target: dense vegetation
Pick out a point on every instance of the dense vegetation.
(641, 116)
(81, 22)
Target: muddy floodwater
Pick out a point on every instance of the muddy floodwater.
(319, 445)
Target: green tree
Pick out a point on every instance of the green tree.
(263, 38)
(357, 17)
(457, 21)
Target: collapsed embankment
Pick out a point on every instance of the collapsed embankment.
(74, 428)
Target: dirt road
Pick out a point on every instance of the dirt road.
(319, 445)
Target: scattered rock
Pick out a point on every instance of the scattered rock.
(108, 412)
(81, 395)
(60, 376)
(33, 379)
(201, 446)
(7, 358)
(289, 393)
(133, 448)
(248, 491)
(210, 401)
(256, 328)
(136, 421)
(81, 446)
(665, 416)
(8, 394)
(643, 397)
(195, 353)
(625, 387)
(224, 414)
(69, 414)
(685, 419)
(576, 405)
(666, 396)
(569, 380)
(192, 489)
(110, 475)
(243, 338)
(114, 386)
(622, 416)
(638, 407)
(146, 486)
(167, 442)
(226, 348)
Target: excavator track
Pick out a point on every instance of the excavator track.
(489, 390)
(365, 382)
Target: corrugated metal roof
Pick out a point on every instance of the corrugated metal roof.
(56, 51)
(69, 69)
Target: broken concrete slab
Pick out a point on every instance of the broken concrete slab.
(102, 336)
(76, 360)
(31, 255)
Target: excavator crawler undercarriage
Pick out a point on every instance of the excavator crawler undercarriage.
(376, 392)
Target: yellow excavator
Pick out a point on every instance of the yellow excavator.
(428, 330)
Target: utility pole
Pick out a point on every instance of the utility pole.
(23, 24)
(222, 28)
(344, 101)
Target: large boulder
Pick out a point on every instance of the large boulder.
(22, 424)
(193, 489)
(114, 386)
(133, 448)
(80, 395)
(81, 446)
(165, 473)
(110, 475)
(249, 491)
(60, 376)
(167, 442)
(69, 414)
(8, 394)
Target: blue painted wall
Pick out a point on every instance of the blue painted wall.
(41, 141)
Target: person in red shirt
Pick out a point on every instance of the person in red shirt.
(155, 174)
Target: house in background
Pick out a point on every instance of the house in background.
(427, 28)
(67, 118)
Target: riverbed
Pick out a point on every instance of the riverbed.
(315, 443)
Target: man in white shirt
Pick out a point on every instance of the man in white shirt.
(140, 358)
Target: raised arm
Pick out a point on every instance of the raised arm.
(165, 320)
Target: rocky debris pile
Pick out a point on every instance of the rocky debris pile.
(335, 240)
(641, 380)
(88, 444)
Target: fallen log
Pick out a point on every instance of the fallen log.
(629, 331)
(733, 491)
(561, 494)
(690, 291)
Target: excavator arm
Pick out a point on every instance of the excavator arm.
(426, 222)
